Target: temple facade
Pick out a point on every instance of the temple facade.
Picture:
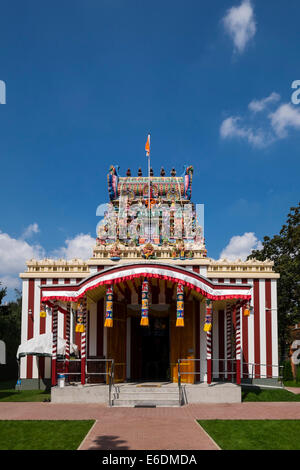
(149, 302)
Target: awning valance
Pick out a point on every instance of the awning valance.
(117, 274)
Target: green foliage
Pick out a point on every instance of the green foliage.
(257, 394)
(10, 332)
(284, 250)
(287, 372)
(43, 435)
(298, 375)
(254, 434)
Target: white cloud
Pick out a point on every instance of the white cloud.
(285, 117)
(240, 246)
(259, 105)
(14, 252)
(268, 127)
(80, 246)
(30, 230)
(239, 23)
(231, 128)
(13, 256)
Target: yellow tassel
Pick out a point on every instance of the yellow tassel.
(43, 314)
(108, 323)
(144, 321)
(207, 327)
(180, 322)
(79, 328)
(246, 312)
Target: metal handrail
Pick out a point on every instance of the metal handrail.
(226, 372)
(260, 375)
(110, 373)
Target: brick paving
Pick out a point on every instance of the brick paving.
(149, 428)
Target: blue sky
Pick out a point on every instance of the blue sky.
(86, 82)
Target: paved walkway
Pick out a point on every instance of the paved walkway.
(149, 428)
(295, 390)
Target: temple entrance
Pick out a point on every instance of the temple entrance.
(150, 349)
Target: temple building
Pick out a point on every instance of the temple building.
(149, 306)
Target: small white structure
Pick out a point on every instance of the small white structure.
(2, 352)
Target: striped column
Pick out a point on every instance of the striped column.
(209, 354)
(228, 340)
(68, 337)
(83, 342)
(54, 342)
(238, 342)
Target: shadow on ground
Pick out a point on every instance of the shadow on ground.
(108, 443)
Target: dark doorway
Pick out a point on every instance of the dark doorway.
(150, 357)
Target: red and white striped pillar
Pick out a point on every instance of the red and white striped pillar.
(68, 337)
(208, 346)
(228, 340)
(54, 343)
(238, 342)
(83, 341)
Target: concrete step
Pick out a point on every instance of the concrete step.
(145, 403)
(148, 396)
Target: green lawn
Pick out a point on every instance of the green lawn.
(8, 393)
(257, 394)
(254, 434)
(43, 435)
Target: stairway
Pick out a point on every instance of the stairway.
(146, 395)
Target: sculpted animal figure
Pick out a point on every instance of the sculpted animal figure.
(112, 180)
(188, 176)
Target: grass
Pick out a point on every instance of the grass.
(8, 393)
(291, 383)
(43, 435)
(254, 434)
(251, 394)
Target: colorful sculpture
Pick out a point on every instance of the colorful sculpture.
(112, 180)
(188, 175)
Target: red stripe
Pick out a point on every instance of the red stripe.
(244, 281)
(42, 319)
(245, 345)
(232, 281)
(30, 309)
(256, 329)
(268, 327)
(196, 269)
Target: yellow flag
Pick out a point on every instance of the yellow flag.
(147, 146)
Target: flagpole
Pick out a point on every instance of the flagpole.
(149, 208)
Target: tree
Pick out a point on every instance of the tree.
(284, 250)
(10, 332)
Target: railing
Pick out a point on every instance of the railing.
(184, 362)
(227, 369)
(268, 375)
(109, 373)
